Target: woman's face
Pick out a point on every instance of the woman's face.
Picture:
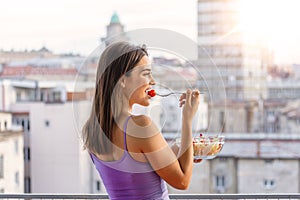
(138, 82)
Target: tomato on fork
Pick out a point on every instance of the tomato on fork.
(151, 93)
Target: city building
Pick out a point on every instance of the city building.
(114, 31)
(289, 117)
(11, 155)
(15, 56)
(49, 116)
(296, 71)
(32, 102)
(229, 56)
(38, 73)
(58, 163)
(288, 89)
(262, 116)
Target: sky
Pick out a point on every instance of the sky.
(76, 26)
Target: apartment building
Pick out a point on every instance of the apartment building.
(11, 156)
(233, 63)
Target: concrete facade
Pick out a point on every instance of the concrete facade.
(11, 157)
(58, 162)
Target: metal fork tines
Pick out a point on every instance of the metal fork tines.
(165, 95)
(168, 94)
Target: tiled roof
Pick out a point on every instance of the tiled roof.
(29, 70)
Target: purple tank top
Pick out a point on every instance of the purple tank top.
(128, 179)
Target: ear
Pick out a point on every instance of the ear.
(122, 82)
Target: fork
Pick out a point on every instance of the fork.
(168, 94)
(165, 95)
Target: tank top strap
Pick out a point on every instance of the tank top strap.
(125, 129)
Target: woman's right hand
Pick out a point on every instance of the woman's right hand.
(190, 102)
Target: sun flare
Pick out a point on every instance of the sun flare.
(271, 20)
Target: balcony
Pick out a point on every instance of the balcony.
(172, 196)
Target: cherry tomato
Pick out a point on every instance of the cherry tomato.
(151, 93)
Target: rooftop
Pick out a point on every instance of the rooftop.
(29, 70)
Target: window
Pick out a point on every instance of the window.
(269, 161)
(27, 185)
(222, 118)
(57, 96)
(2, 190)
(16, 146)
(19, 96)
(47, 123)
(23, 123)
(42, 96)
(5, 125)
(98, 185)
(220, 183)
(1, 166)
(27, 154)
(17, 178)
(269, 184)
(54, 96)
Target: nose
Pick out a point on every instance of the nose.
(152, 81)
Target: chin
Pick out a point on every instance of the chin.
(144, 103)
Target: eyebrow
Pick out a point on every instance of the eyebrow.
(146, 70)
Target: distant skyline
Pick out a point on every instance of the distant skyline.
(65, 26)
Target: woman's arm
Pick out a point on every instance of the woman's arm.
(175, 149)
(176, 170)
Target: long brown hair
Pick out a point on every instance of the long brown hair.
(116, 60)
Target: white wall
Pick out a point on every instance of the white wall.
(5, 118)
(11, 148)
(58, 163)
(200, 182)
(253, 173)
(7, 95)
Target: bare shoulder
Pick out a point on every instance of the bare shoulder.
(142, 120)
(144, 131)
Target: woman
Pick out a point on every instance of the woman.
(129, 152)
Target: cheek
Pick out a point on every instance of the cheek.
(141, 81)
(136, 87)
(138, 95)
(140, 91)
(136, 83)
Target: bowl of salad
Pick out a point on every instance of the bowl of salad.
(207, 147)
